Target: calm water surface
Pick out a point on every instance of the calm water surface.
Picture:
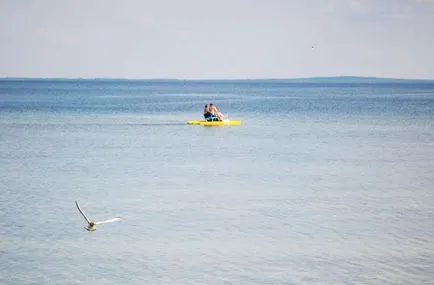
(320, 184)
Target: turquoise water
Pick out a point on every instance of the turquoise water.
(322, 183)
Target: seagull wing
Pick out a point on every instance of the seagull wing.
(81, 211)
(108, 221)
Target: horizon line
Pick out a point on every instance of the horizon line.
(218, 79)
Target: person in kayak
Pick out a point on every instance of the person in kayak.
(207, 113)
(213, 109)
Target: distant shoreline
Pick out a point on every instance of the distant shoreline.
(328, 79)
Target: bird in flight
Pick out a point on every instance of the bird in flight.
(91, 225)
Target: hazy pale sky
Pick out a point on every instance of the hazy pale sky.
(203, 39)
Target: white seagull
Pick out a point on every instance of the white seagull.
(91, 225)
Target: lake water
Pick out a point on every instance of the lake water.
(322, 183)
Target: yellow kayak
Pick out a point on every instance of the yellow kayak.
(214, 123)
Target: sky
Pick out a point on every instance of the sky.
(216, 39)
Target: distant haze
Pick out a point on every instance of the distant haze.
(217, 39)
